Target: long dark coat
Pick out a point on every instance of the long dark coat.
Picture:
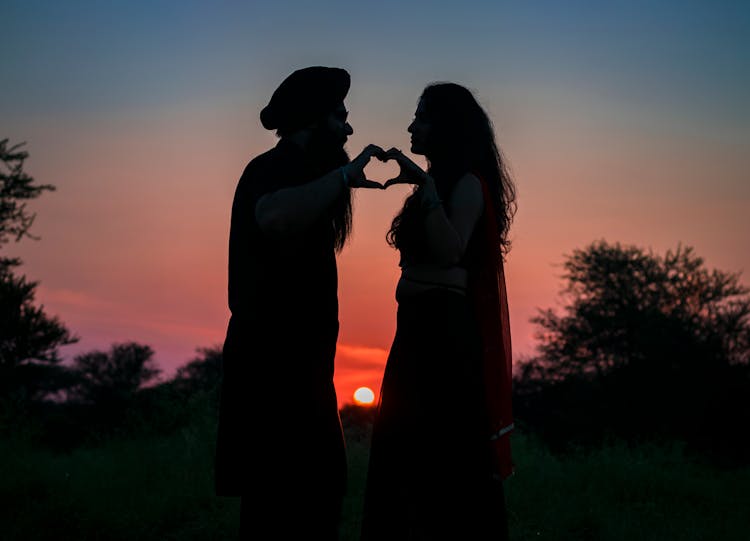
(278, 419)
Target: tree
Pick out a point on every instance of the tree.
(112, 378)
(16, 187)
(29, 339)
(645, 345)
(203, 373)
(626, 307)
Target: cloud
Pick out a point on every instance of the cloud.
(355, 357)
(71, 298)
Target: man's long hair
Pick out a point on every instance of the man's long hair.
(461, 140)
(342, 217)
(326, 155)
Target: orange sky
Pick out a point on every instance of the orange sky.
(619, 123)
(134, 241)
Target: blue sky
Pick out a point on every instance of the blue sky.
(119, 54)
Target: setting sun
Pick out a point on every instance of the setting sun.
(364, 395)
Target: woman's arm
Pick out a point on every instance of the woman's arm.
(449, 225)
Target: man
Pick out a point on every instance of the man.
(280, 445)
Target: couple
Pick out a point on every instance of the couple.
(436, 467)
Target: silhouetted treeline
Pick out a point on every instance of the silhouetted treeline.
(646, 347)
(107, 398)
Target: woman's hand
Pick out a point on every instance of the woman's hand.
(355, 169)
(409, 172)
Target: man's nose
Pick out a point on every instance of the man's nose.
(348, 128)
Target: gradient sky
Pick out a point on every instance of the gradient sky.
(627, 122)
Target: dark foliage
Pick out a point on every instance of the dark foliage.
(111, 379)
(29, 341)
(29, 338)
(357, 420)
(646, 347)
(16, 187)
(203, 373)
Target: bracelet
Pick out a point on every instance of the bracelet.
(343, 175)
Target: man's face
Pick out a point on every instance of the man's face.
(337, 126)
(327, 140)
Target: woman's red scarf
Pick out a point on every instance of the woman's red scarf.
(490, 301)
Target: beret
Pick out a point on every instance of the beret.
(306, 96)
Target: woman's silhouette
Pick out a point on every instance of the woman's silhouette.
(440, 444)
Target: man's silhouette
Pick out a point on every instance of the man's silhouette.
(280, 445)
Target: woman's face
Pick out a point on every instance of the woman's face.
(419, 130)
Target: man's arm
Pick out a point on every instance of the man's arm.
(292, 210)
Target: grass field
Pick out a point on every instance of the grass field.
(160, 488)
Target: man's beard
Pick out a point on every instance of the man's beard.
(324, 154)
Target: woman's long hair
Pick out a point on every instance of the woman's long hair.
(461, 140)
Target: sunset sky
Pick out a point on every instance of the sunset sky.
(628, 122)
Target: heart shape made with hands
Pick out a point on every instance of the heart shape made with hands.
(381, 172)
(392, 165)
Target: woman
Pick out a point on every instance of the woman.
(440, 446)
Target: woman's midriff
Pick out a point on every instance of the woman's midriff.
(417, 279)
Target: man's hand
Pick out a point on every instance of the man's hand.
(355, 169)
(409, 172)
